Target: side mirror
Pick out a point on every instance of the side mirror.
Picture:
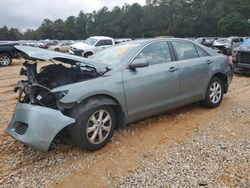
(139, 63)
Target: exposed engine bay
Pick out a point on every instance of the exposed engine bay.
(37, 88)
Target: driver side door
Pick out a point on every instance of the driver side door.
(153, 87)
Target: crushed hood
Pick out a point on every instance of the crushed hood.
(33, 53)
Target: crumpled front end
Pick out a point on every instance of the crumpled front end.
(37, 126)
(39, 114)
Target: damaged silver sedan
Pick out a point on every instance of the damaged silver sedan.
(90, 98)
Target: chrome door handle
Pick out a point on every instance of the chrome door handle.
(172, 69)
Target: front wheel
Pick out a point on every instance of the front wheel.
(214, 93)
(87, 54)
(5, 60)
(93, 128)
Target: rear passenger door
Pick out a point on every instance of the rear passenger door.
(194, 65)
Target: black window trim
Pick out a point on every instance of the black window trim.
(196, 46)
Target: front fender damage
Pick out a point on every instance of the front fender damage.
(37, 126)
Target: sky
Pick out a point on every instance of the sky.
(24, 14)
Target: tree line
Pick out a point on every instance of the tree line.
(178, 18)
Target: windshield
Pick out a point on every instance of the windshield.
(114, 55)
(90, 41)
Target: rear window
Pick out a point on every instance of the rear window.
(201, 52)
(185, 50)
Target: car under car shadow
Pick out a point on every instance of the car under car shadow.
(63, 143)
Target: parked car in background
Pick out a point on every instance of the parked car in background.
(91, 46)
(63, 46)
(241, 55)
(7, 53)
(46, 45)
(206, 41)
(226, 45)
(120, 40)
(114, 87)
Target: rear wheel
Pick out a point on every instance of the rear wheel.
(93, 128)
(5, 60)
(214, 93)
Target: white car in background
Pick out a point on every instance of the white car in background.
(91, 46)
(62, 46)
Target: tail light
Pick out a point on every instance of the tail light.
(229, 60)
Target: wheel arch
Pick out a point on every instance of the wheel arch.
(223, 78)
(104, 99)
(88, 52)
(6, 53)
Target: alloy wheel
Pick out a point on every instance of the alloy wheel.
(215, 92)
(99, 126)
(5, 60)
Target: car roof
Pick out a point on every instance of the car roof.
(100, 37)
(149, 40)
(143, 42)
(235, 37)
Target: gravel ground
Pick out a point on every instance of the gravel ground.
(217, 156)
(188, 147)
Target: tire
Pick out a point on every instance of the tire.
(87, 130)
(5, 60)
(214, 96)
(87, 54)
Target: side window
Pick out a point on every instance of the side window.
(100, 43)
(185, 50)
(108, 42)
(201, 52)
(156, 53)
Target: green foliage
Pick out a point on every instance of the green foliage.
(232, 23)
(10, 34)
(179, 18)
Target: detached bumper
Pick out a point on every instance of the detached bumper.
(36, 126)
